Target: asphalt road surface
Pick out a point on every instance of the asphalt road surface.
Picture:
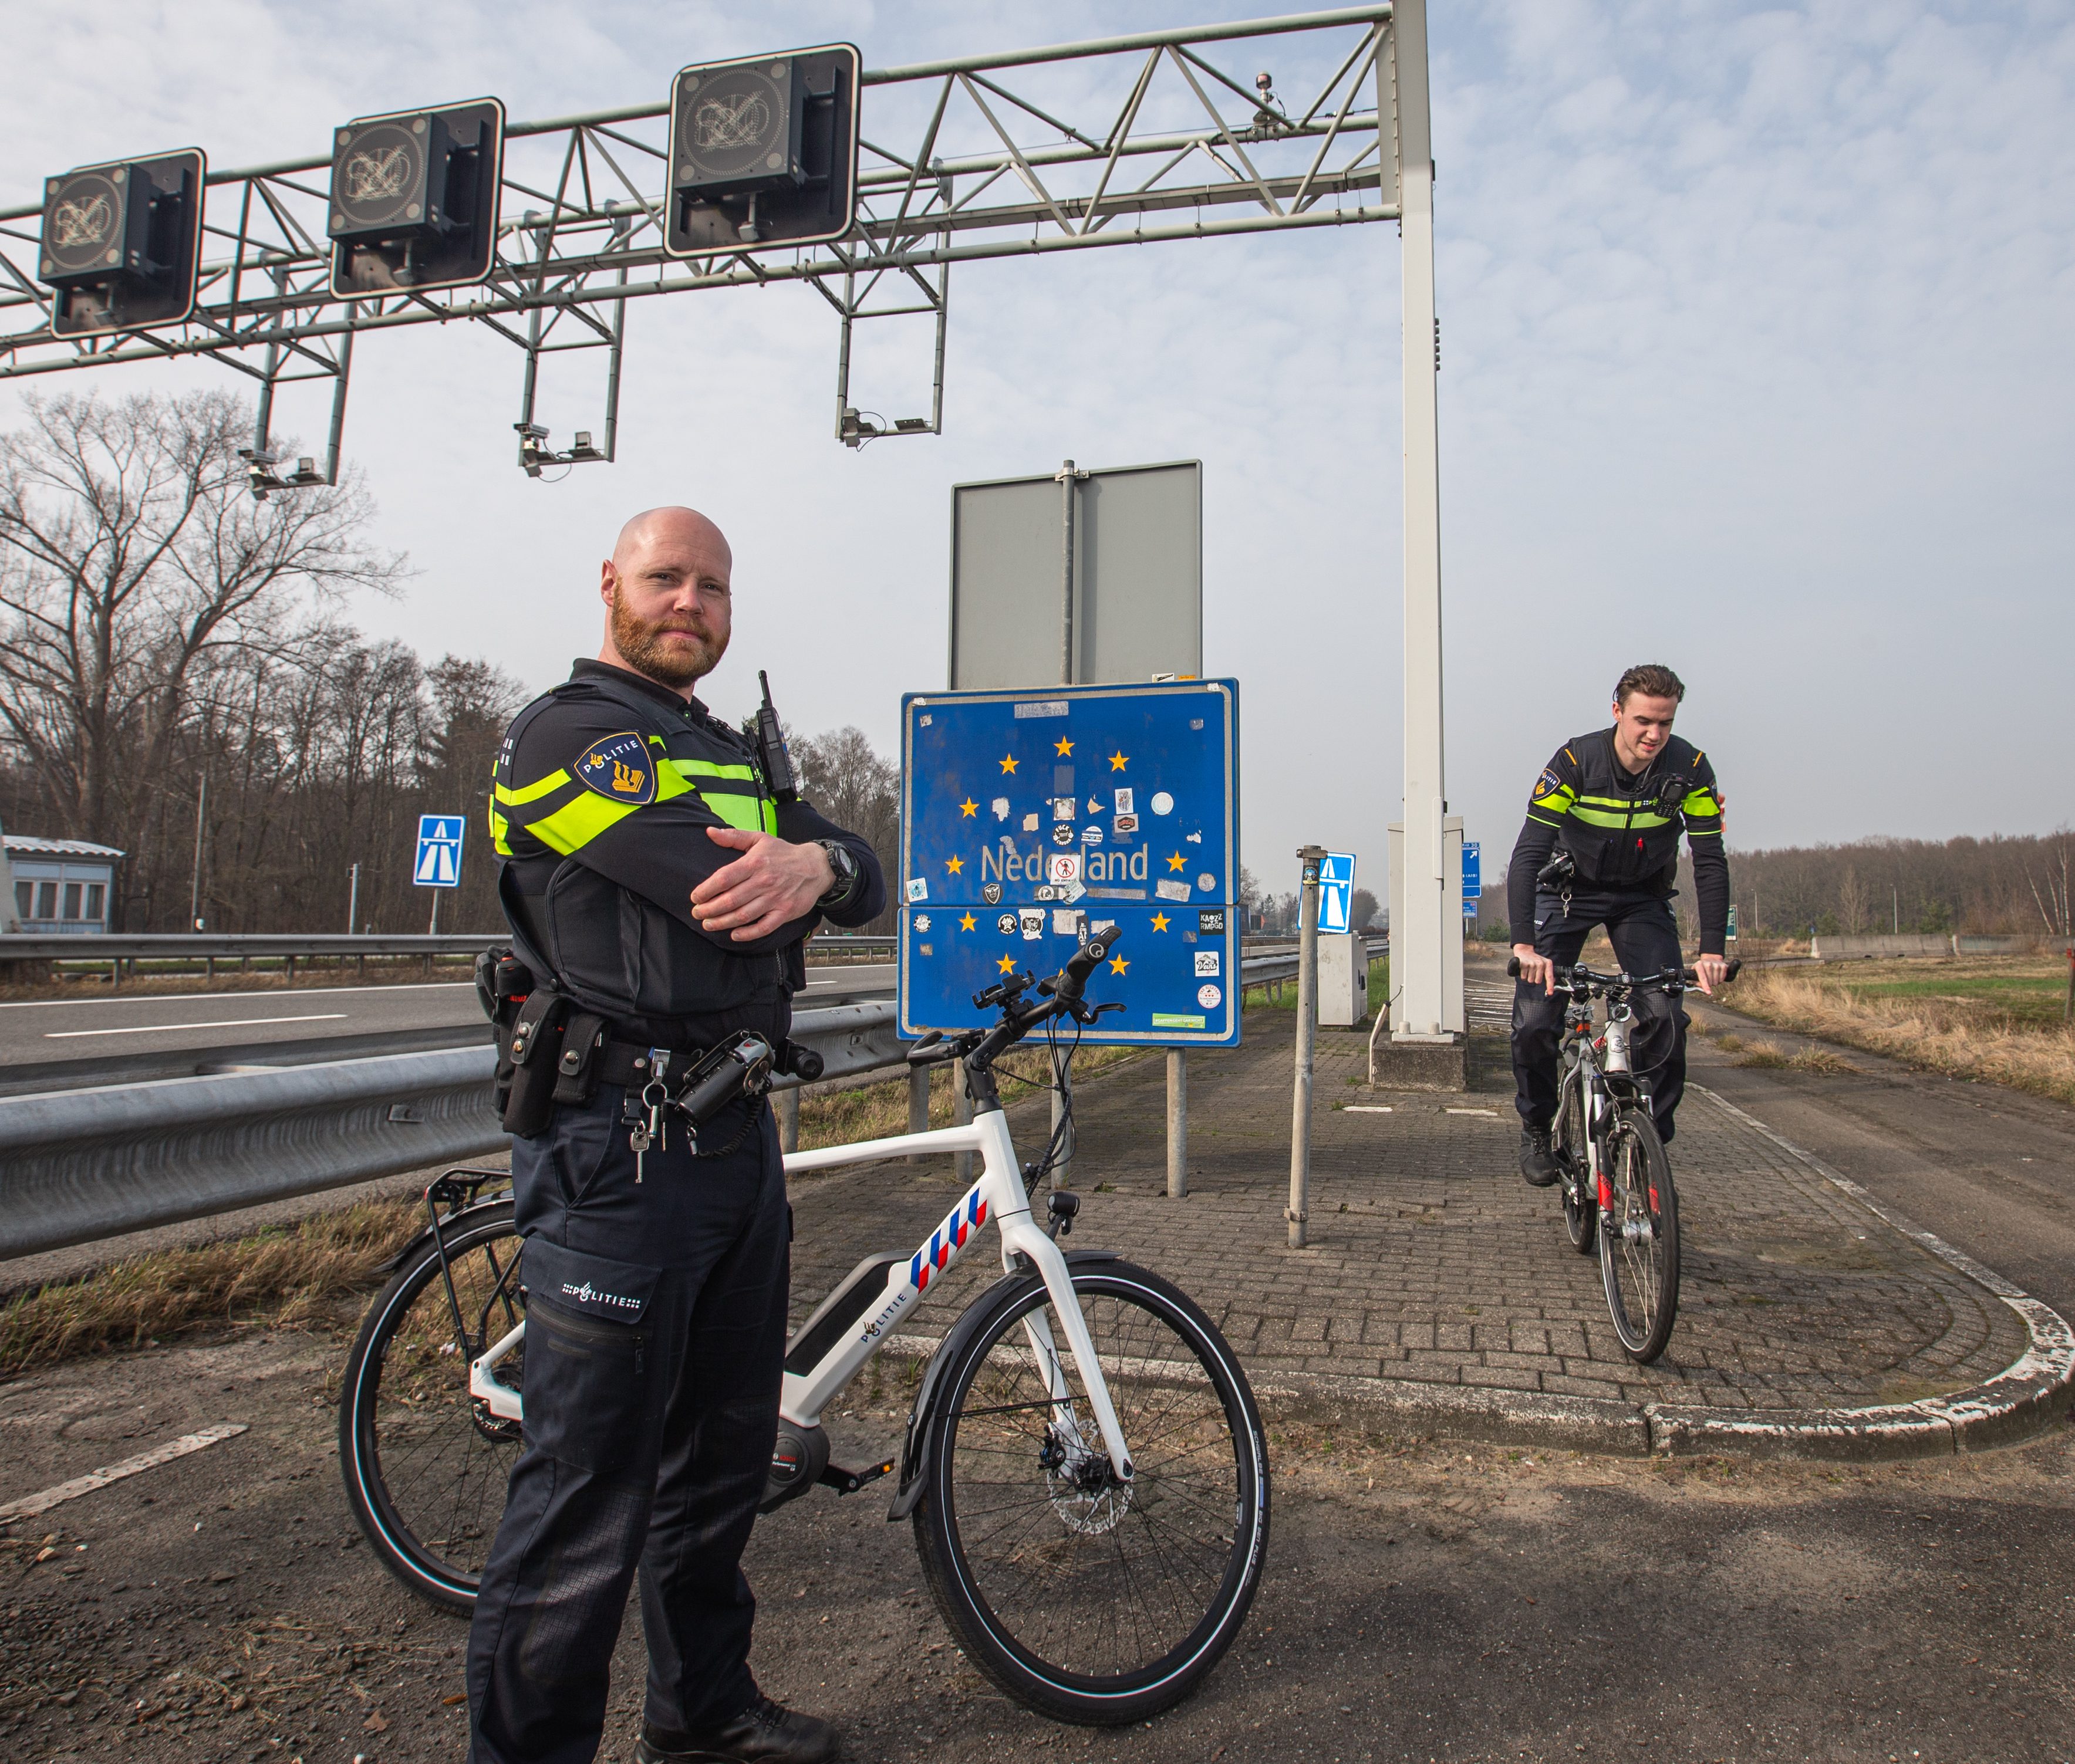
(65, 1042)
(1991, 1170)
(1421, 1601)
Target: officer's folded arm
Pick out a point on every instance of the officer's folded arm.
(769, 885)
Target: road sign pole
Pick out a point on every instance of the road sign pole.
(1308, 995)
(1419, 945)
(1178, 1122)
(435, 928)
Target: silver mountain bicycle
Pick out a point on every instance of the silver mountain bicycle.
(1618, 1194)
(1084, 1469)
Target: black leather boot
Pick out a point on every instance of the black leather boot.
(765, 1733)
(1538, 1162)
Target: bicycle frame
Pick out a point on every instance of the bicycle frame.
(996, 1198)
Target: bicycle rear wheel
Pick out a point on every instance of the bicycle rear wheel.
(424, 1472)
(1640, 1242)
(1085, 1599)
(1574, 1152)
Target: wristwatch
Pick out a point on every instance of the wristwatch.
(845, 865)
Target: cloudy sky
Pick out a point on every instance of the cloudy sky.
(1757, 359)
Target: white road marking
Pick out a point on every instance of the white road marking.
(1493, 1113)
(162, 1028)
(189, 998)
(29, 1504)
(1367, 1109)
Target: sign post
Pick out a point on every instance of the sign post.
(437, 864)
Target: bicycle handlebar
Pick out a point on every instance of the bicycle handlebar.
(1670, 979)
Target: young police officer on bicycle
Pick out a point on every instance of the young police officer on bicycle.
(1611, 803)
(658, 896)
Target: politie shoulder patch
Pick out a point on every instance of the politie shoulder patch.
(620, 769)
(1548, 782)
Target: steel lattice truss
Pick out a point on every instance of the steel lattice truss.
(1160, 136)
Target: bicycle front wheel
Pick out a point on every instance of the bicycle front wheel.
(425, 1471)
(1088, 1599)
(1639, 1240)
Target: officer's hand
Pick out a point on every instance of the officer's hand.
(1535, 967)
(770, 883)
(1712, 970)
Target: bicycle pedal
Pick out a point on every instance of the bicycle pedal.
(835, 1476)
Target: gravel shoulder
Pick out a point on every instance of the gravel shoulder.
(1424, 1599)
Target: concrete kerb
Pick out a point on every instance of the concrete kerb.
(2028, 1396)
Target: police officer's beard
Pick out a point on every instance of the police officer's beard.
(641, 641)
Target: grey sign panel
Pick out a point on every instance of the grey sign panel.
(1137, 583)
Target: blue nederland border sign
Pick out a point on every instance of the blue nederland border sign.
(1029, 817)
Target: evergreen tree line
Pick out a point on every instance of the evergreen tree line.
(176, 682)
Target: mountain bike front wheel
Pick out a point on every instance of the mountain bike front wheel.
(425, 1471)
(1086, 1598)
(1639, 1238)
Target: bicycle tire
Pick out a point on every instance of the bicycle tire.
(1639, 1244)
(425, 1476)
(1581, 1211)
(1024, 1588)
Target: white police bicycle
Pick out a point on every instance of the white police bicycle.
(1084, 1466)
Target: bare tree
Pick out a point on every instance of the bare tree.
(131, 558)
(1852, 900)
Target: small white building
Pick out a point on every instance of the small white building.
(63, 887)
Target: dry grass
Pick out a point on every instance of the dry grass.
(879, 1111)
(1968, 1031)
(282, 1277)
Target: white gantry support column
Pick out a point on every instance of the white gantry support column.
(1419, 944)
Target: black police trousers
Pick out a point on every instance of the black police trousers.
(1645, 939)
(654, 1335)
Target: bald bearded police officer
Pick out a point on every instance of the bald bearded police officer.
(1613, 804)
(657, 891)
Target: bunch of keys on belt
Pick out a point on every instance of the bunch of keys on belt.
(649, 1127)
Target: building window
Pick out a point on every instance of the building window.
(25, 900)
(47, 900)
(72, 893)
(96, 895)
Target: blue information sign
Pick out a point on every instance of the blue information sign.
(1030, 818)
(1473, 877)
(1336, 891)
(438, 862)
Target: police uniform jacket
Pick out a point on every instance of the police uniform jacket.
(604, 787)
(1622, 829)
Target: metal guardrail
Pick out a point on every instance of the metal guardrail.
(193, 946)
(85, 1164)
(81, 1165)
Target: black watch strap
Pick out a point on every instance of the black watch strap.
(843, 862)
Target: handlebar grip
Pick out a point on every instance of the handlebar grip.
(1086, 960)
(1513, 966)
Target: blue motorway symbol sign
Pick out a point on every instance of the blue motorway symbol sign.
(1473, 877)
(438, 862)
(1336, 891)
(1029, 818)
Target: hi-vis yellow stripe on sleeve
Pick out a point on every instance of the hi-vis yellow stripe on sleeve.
(577, 823)
(1703, 803)
(532, 792)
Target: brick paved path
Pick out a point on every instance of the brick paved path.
(1430, 1260)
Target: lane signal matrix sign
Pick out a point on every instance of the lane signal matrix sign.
(438, 862)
